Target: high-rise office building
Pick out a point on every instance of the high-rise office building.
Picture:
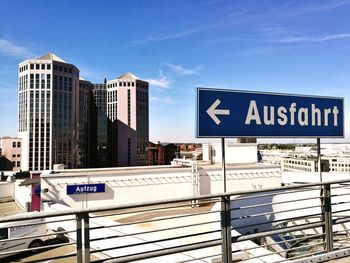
(100, 98)
(47, 92)
(85, 148)
(70, 121)
(127, 111)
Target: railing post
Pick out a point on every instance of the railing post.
(328, 217)
(86, 237)
(79, 239)
(226, 246)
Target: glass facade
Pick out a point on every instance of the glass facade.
(100, 98)
(45, 101)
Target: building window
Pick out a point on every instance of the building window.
(18, 144)
(31, 66)
(48, 66)
(14, 144)
(42, 66)
(13, 155)
(70, 70)
(37, 66)
(4, 234)
(129, 108)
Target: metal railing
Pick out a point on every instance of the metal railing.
(288, 224)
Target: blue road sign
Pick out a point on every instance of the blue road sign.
(85, 188)
(232, 113)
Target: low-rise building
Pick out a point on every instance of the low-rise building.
(338, 163)
(235, 153)
(161, 153)
(11, 152)
(310, 164)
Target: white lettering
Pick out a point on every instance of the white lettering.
(292, 110)
(292, 116)
(253, 113)
(283, 119)
(86, 189)
(326, 112)
(335, 115)
(315, 111)
(303, 121)
(270, 121)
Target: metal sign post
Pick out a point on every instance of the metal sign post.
(223, 162)
(319, 158)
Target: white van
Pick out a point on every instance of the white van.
(9, 231)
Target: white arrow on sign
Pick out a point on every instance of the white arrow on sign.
(213, 111)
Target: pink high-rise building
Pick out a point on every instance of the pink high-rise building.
(127, 111)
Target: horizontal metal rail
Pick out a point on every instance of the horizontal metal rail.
(156, 230)
(158, 219)
(185, 230)
(165, 251)
(269, 204)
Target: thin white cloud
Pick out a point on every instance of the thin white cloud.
(154, 98)
(223, 40)
(161, 37)
(313, 39)
(7, 48)
(180, 70)
(328, 6)
(178, 34)
(173, 35)
(255, 51)
(8, 91)
(91, 75)
(7, 86)
(162, 81)
(163, 100)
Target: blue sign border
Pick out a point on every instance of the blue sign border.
(198, 103)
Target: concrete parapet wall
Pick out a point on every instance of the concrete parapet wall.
(22, 194)
(150, 186)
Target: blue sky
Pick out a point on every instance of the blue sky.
(275, 46)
